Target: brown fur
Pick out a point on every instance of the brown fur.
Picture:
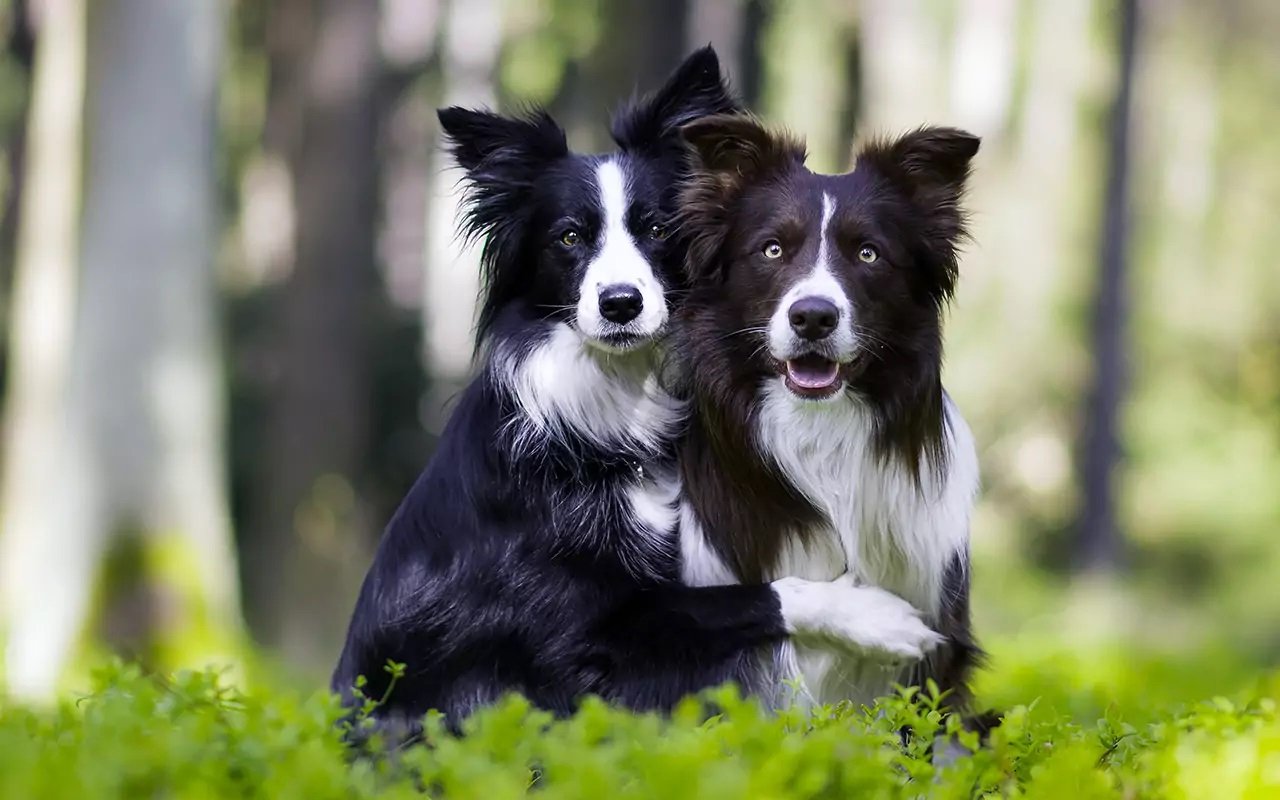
(905, 194)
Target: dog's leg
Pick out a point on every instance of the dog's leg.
(866, 619)
(661, 643)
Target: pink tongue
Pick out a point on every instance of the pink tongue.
(812, 373)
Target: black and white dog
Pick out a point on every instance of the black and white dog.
(537, 552)
(822, 442)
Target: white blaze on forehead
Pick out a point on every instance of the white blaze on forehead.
(618, 261)
(819, 282)
(828, 211)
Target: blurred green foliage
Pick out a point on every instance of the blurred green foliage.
(194, 736)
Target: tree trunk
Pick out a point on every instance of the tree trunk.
(902, 65)
(1046, 155)
(1099, 541)
(44, 572)
(307, 527)
(140, 473)
(642, 45)
(407, 121)
(722, 24)
(806, 75)
(983, 65)
(472, 39)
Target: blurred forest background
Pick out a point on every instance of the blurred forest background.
(233, 309)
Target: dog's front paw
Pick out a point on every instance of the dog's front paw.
(888, 626)
(871, 621)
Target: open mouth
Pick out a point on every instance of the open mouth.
(812, 375)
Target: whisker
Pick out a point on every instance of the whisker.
(874, 337)
(739, 332)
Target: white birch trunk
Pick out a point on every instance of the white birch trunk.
(143, 417)
(983, 66)
(904, 70)
(44, 570)
(469, 56)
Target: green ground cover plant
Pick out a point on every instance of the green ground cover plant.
(196, 735)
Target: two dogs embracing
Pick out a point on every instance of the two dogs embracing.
(708, 439)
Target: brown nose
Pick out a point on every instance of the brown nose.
(813, 318)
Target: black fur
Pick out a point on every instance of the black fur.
(507, 162)
(514, 563)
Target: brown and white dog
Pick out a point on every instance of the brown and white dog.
(822, 442)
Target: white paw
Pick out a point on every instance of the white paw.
(866, 619)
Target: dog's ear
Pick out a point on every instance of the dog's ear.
(728, 153)
(927, 159)
(480, 139)
(735, 146)
(504, 158)
(931, 166)
(696, 89)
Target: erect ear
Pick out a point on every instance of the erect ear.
(927, 159)
(504, 158)
(729, 152)
(736, 148)
(931, 165)
(696, 89)
(480, 138)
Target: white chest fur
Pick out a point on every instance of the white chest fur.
(879, 525)
(564, 386)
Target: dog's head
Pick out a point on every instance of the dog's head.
(583, 240)
(828, 282)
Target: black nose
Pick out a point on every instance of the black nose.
(620, 303)
(813, 318)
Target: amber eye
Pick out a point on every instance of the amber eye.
(657, 231)
(570, 238)
(772, 249)
(868, 254)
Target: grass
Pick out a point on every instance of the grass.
(194, 735)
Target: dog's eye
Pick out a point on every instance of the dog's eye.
(570, 238)
(868, 254)
(772, 249)
(657, 231)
